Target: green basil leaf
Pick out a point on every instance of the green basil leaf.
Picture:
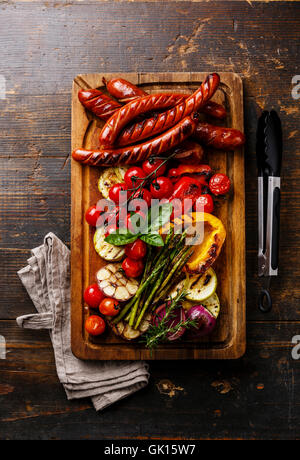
(159, 216)
(153, 239)
(120, 239)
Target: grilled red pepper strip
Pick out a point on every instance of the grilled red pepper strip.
(186, 188)
(189, 152)
(97, 102)
(199, 172)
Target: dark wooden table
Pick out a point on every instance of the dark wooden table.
(44, 46)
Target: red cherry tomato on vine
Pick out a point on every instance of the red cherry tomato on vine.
(109, 306)
(113, 217)
(132, 268)
(219, 184)
(143, 194)
(93, 296)
(204, 203)
(95, 325)
(136, 250)
(161, 187)
(135, 221)
(92, 215)
(149, 166)
(134, 176)
(118, 192)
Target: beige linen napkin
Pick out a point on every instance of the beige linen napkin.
(47, 281)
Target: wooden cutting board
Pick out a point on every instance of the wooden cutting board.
(228, 341)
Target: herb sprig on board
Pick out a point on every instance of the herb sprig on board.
(160, 331)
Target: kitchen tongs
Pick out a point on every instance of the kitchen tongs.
(269, 157)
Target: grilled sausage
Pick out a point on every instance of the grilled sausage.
(99, 103)
(128, 112)
(218, 137)
(136, 153)
(161, 121)
(104, 107)
(123, 90)
(215, 110)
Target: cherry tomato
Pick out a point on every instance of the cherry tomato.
(112, 217)
(136, 250)
(161, 187)
(143, 194)
(204, 203)
(134, 176)
(134, 222)
(92, 215)
(132, 268)
(109, 306)
(93, 296)
(95, 325)
(219, 184)
(118, 192)
(173, 175)
(149, 166)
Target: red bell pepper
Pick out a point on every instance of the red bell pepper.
(186, 188)
(201, 173)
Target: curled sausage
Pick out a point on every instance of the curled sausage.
(99, 103)
(104, 107)
(133, 109)
(218, 137)
(161, 121)
(123, 90)
(136, 153)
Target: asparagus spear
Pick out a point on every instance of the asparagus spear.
(150, 297)
(178, 263)
(141, 289)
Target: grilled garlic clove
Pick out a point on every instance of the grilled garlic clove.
(113, 283)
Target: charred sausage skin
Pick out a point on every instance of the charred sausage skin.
(219, 137)
(161, 121)
(137, 153)
(99, 103)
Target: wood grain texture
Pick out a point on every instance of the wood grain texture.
(234, 399)
(44, 46)
(228, 340)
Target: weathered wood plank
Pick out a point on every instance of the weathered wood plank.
(223, 36)
(236, 399)
(35, 199)
(35, 125)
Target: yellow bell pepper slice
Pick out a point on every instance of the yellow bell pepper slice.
(210, 243)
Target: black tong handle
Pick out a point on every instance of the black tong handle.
(269, 144)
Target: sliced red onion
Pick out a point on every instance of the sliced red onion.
(177, 314)
(206, 322)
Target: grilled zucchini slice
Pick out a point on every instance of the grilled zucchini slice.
(110, 177)
(107, 251)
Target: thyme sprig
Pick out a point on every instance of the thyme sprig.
(159, 332)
